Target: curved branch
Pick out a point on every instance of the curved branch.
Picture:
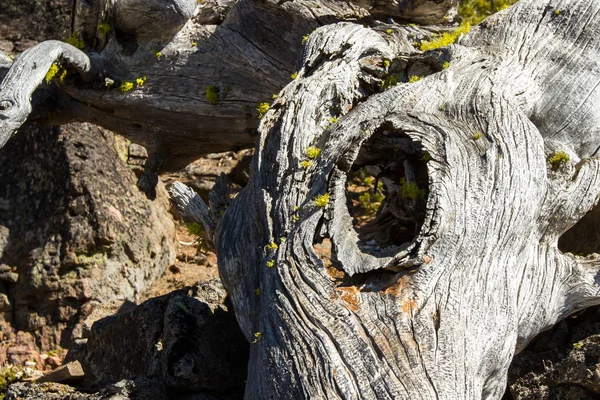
(26, 74)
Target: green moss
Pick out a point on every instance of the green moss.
(558, 160)
(126, 86)
(475, 11)
(578, 345)
(140, 81)
(446, 65)
(387, 63)
(312, 152)
(305, 164)
(389, 31)
(426, 156)
(194, 228)
(294, 75)
(446, 39)
(55, 352)
(321, 200)
(54, 68)
(389, 81)
(9, 375)
(370, 201)
(414, 79)
(410, 190)
(477, 136)
(104, 28)
(262, 109)
(272, 246)
(271, 263)
(54, 71)
(98, 258)
(305, 38)
(212, 94)
(75, 41)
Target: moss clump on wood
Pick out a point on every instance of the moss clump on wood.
(212, 94)
(558, 160)
(445, 39)
(475, 11)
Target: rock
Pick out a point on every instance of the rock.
(29, 21)
(6, 46)
(560, 364)
(212, 12)
(202, 173)
(186, 340)
(22, 348)
(75, 232)
(10, 277)
(140, 389)
(137, 154)
(70, 372)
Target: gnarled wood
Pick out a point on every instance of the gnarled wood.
(483, 276)
(26, 74)
(437, 315)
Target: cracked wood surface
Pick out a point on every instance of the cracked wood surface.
(484, 274)
(439, 316)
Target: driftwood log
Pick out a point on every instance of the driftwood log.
(489, 230)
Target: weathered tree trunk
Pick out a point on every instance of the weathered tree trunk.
(486, 163)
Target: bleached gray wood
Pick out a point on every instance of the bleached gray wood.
(439, 316)
(152, 20)
(485, 275)
(193, 209)
(26, 74)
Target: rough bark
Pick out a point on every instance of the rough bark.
(436, 314)
(441, 316)
(202, 90)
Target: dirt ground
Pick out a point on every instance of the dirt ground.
(194, 264)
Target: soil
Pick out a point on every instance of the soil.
(194, 264)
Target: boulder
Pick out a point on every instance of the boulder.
(75, 232)
(188, 341)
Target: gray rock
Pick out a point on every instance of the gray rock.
(187, 340)
(560, 364)
(139, 389)
(75, 232)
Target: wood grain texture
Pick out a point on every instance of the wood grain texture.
(26, 74)
(483, 275)
(441, 315)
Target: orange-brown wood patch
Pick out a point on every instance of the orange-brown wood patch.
(350, 295)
